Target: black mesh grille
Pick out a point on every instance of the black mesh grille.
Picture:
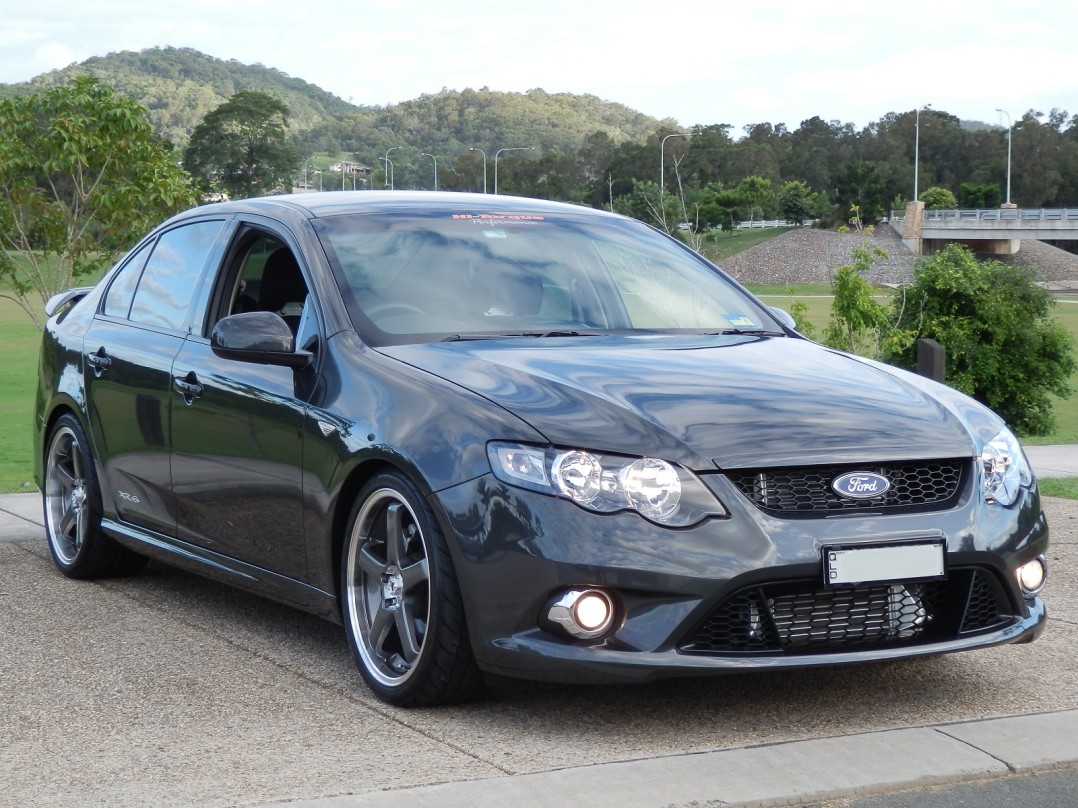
(806, 490)
(804, 617)
(986, 606)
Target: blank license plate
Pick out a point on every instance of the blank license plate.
(882, 563)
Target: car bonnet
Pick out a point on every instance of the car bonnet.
(731, 402)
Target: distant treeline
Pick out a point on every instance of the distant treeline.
(581, 148)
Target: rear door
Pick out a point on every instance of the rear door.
(128, 354)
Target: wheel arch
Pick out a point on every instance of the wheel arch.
(60, 407)
(362, 473)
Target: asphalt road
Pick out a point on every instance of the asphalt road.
(170, 690)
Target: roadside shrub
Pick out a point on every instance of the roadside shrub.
(1003, 347)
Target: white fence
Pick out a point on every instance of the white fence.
(761, 223)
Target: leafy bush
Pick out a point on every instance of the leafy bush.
(1003, 347)
(939, 199)
(858, 322)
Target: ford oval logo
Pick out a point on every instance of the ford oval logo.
(861, 485)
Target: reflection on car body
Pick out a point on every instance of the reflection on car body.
(498, 435)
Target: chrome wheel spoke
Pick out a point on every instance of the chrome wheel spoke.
(65, 479)
(68, 519)
(415, 574)
(381, 625)
(77, 470)
(410, 642)
(396, 544)
(370, 565)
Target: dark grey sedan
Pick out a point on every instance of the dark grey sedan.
(501, 435)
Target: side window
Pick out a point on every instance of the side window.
(269, 279)
(122, 289)
(172, 273)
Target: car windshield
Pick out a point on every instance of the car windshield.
(444, 276)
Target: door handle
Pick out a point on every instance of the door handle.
(99, 359)
(188, 386)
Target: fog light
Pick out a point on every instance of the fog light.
(583, 614)
(1032, 575)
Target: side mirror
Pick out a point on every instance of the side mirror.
(784, 317)
(258, 336)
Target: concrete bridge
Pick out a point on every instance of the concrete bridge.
(998, 231)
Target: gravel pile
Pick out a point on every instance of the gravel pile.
(1050, 263)
(808, 255)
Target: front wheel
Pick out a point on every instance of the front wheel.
(72, 503)
(401, 603)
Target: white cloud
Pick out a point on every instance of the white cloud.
(52, 56)
(698, 61)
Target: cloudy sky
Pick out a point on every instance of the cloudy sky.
(696, 61)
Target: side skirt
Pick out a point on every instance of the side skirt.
(217, 567)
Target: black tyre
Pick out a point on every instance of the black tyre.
(400, 600)
(72, 503)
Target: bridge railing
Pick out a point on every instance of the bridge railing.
(959, 217)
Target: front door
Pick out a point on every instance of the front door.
(237, 427)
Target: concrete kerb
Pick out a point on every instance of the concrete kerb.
(780, 774)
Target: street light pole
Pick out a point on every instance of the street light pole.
(916, 151)
(305, 163)
(389, 166)
(435, 159)
(512, 148)
(389, 171)
(473, 148)
(662, 159)
(1010, 128)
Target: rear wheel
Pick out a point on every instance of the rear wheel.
(400, 600)
(72, 503)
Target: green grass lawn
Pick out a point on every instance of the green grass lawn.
(719, 245)
(1059, 487)
(18, 369)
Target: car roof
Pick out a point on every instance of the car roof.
(333, 203)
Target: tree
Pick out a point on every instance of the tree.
(938, 199)
(795, 201)
(81, 175)
(984, 195)
(242, 147)
(1003, 347)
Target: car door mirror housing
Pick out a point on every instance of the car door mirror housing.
(257, 336)
(784, 317)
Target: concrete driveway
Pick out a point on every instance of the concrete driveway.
(170, 690)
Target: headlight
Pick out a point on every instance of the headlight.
(654, 488)
(1006, 471)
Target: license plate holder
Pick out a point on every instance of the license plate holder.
(847, 565)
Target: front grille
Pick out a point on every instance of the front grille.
(806, 490)
(804, 617)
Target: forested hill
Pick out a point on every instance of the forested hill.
(178, 86)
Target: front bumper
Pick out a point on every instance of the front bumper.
(514, 550)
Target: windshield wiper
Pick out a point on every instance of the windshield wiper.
(515, 334)
(746, 332)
